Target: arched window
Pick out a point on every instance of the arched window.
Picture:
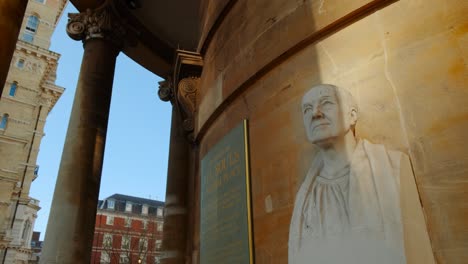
(4, 122)
(33, 23)
(13, 87)
(20, 63)
(31, 28)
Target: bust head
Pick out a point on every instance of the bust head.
(329, 112)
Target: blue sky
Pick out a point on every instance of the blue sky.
(137, 145)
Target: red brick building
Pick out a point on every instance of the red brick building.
(128, 230)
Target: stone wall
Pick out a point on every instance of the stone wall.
(404, 61)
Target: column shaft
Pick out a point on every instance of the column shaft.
(70, 228)
(175, 219)
(11, 17)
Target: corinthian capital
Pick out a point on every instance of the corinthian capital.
(99, 23)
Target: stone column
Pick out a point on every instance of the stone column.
(11, 17)
(176, 219)
(70, 228)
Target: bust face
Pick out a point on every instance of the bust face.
(324, 116)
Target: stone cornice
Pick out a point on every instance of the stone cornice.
(12, 140)
(16, 100)
(37, 51)
(50, 94)
(129, 215)
(19, 121)
(52, 87)
(7, 179)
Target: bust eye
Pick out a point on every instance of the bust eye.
(307, 109)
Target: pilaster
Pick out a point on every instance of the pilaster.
(181, 89)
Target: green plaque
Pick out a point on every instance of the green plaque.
(225, 217)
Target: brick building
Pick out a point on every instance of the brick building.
(128, 230)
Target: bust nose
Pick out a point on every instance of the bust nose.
(317, 112)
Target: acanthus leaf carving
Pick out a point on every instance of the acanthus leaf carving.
(187, 98)
(98, 23)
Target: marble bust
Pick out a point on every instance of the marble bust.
(348, 208)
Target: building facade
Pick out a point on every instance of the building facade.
(128, 230)
(29, 94)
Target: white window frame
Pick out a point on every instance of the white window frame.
(144, 209)
(109, 220)
(124, 259)
(143, 244)
(105, 258)
(128, 207)
(110, 204)
(159, 212)
(107, 240)
(123, 245)
(158, 244)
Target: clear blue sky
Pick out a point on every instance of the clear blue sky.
(137, 146)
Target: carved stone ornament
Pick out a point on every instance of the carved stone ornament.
(187, 97)
(165, 91)
(48, 102)
(98, 23)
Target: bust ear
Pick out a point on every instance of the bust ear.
(353, 115)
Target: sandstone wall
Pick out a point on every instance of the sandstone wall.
(406, 63)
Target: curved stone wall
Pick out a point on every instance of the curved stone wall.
(405, 63)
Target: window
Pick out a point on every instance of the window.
(124, 259)
(143, 244)
(40, 1)
(159, 212)
(145, 224)
(144, 209)
(109, 220)
(158, 244)
(128, 207)
(125, 242)
(28, 37)
(20, 63)
(107, 241)
(128, 222)
(13, 87)
(105, 258)
(160, 226)
(110, 204)
(157, 260)
(4, 122)
(31, 28)
(33, 22)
